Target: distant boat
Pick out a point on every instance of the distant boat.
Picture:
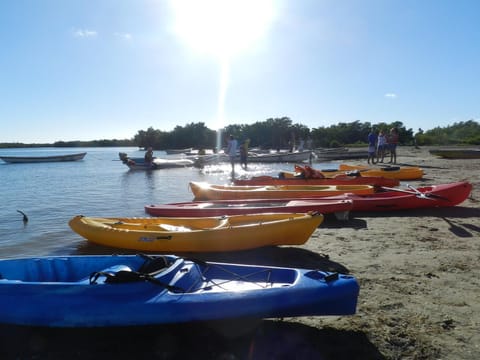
(256, 157)
(340, 154)
(42, 159)
(298, 156)
(156, 164)
(457, 153)
(178, 151)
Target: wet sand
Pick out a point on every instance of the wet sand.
(419, 293)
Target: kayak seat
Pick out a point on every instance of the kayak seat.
(103, 276)
(391, 168)
(191, 278)
(153, 265)
(351, 173)
(122, 274)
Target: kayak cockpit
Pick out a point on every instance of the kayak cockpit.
(77, 269)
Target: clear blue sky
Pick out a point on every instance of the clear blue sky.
(104, 69)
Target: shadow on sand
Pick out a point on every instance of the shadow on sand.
(457, 217)
(452, 212)
(266, 339)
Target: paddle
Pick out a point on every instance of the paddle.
(419, 194)
(428, 194)
(414, 191)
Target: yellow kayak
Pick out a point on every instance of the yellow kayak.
(393, 172)
(201, 234)
(206, 191)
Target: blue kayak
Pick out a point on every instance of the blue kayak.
(124, 290)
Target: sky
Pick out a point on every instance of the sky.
(105, 69)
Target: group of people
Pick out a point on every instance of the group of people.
(379, 144)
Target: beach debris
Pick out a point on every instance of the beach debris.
(448, 324)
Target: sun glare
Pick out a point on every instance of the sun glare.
(221, 28)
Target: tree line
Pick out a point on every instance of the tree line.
(281, 133)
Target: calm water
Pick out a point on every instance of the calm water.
(99, 185)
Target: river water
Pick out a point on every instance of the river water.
(99, 185)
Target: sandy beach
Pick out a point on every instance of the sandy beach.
(419, 293)
(418, 273)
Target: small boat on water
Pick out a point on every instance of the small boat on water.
(297, 156)
(251, 206)
(442, 195)
(456, 153)
(158, 164)
(200, 234)
(133, 290)
(256, 157)
(206, 191)
(139, 163)
(209, 159)
(178, 151)
(43, 159)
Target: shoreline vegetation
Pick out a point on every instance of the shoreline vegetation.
(72, 144)
(280, 133)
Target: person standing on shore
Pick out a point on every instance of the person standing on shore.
(232, 151)
(244, 153)
(381, 145)
(392, 144)
(372, 146)
(148, 158)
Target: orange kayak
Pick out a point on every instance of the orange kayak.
(393, 172)
(342, 179)
(206, 191)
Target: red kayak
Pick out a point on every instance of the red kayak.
(340, 207)
(442, 195)
(339, 180)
